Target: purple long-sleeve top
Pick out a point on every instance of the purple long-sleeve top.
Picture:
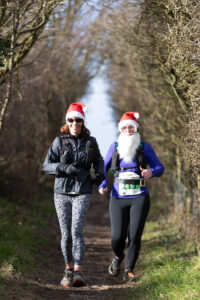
(152, 160)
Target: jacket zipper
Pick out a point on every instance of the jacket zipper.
(76, 160)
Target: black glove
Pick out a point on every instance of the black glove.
(67, 169)
(79, 164)
(98, 180)
(71, 170)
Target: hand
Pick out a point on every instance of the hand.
(79, 164)
(102, 191)
(146, 173)
(71, 170)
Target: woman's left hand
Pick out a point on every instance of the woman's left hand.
(146, 173)
(102, 191)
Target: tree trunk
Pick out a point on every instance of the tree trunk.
(15, 22)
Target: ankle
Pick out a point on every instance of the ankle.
(69, 266)
(119, 258)
(77, 268)
(127, 271)
(69, 269)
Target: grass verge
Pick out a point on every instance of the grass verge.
(22, 227)
(169, 264)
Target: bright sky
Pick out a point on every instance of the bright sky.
(99, 115)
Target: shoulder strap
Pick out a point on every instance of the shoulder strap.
(66, 148)
(140, 156)
(90, 144)
(65, 142)
(115, 159)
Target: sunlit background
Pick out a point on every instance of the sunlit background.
(99, 115)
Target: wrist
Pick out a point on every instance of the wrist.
(62, 167)
(151, 172)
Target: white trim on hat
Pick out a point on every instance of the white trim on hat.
(127, 122)
(74, 114)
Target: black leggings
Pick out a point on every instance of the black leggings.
(128, 217)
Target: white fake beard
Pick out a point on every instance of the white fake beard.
(128, 145)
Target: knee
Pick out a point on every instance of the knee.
(135, 240)
(77, 233)
(65, 237)
(117, 239)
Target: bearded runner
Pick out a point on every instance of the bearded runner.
(129, 201)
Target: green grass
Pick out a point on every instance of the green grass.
(169, 264)
(168, 267)
(22, 235)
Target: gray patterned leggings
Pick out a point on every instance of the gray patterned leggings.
(71, 211)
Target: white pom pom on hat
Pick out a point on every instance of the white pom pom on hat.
(136, 115)
(76, 109)
(130, 117)
(84, 109)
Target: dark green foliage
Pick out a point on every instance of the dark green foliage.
(4, 50)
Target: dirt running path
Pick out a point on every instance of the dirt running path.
(44, 282)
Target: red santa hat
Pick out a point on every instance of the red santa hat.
(76, 109)
(129, 118)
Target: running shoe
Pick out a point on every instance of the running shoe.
(114, 267)
(78, 280)
(129, 276)
(68, 278)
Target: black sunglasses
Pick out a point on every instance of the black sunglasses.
(70, 120)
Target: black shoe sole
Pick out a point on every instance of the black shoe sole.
(78, 283)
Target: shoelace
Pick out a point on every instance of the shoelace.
(78, 273)
(68, 272)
